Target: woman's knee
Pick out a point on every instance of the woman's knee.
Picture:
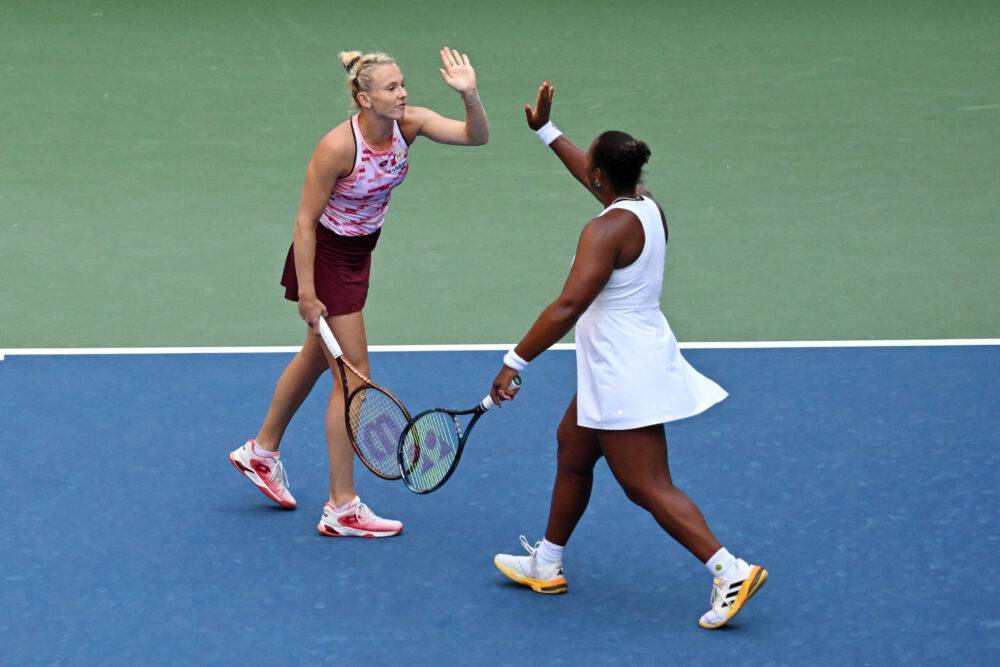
(312, 358)
(576, 452)
(639, 493)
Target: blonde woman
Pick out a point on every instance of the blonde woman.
(347, 187)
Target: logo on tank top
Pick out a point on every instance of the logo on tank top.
(398, 162)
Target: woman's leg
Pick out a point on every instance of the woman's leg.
(294, 385)
(638, 460)
(579, 451)
(350, 333)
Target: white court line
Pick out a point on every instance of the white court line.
(941, 342)
(748, 345)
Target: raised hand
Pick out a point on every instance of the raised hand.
(543, 106)
(457, 72)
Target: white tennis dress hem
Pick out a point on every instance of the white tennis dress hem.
(630, 371)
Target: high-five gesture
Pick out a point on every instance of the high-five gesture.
(475, 130)
(457, 72)
(539, 116)
(574, 157)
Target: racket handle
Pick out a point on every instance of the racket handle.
(489, 403)
(329, 339)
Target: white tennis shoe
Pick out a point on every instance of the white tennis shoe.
(264, 471)
(524, 570)
(729, 595)
(356, 521)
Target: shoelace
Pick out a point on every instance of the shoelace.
(279, 471)
(365, 515)
(532, 551)
(527, 545)
(717, 593)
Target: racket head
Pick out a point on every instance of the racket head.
(375, 422)
(429, 449)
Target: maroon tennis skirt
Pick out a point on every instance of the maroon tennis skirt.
(341, 270)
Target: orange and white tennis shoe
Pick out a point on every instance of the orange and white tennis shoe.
(729, 595)
(524, 570)
(264, 471)
(356, 521)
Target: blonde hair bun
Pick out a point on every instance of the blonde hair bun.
(348, 59)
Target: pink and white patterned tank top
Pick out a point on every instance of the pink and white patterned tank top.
(357, 205)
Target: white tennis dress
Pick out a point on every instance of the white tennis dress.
(629, 370)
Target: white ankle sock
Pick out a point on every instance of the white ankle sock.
(548, 553)
(261, 452)
(720, 564)
(345, 507)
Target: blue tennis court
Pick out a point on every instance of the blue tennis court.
(864, 479)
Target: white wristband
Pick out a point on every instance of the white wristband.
(548, 133)
(511, 360)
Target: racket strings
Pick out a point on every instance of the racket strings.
(429, 448)
(376, 423)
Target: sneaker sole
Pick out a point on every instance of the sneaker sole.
(252, 476)
(330, 532)
(756, 580)
(550, 587)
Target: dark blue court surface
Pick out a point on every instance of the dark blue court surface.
(865, 480)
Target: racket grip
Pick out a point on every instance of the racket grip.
(489, 403)
(329, 339)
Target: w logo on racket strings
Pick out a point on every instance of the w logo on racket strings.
(385, 432)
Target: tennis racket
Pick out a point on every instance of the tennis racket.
(432, 444)
(375, 418)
